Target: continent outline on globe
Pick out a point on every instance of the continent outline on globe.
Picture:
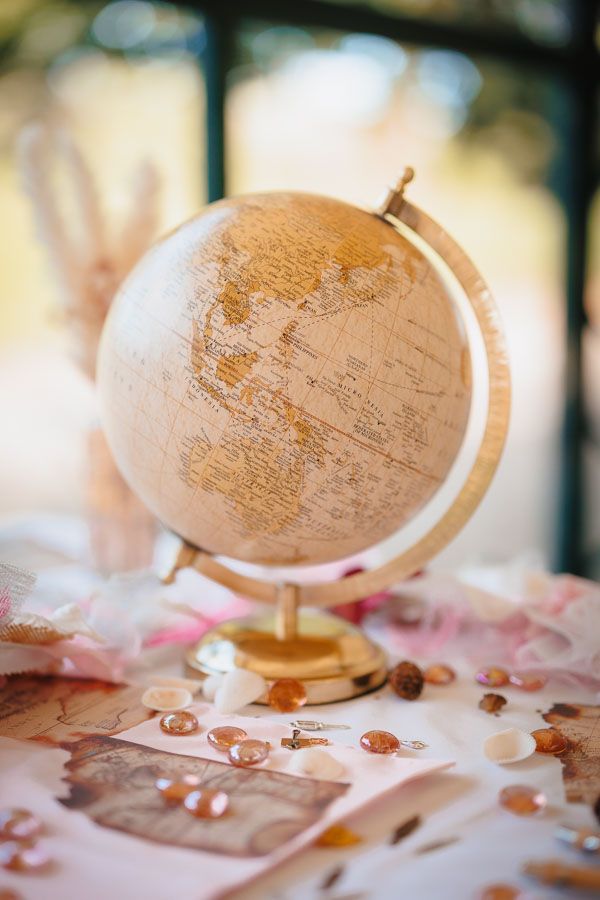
(284, 379)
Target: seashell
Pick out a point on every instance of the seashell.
(238, 688)
(316, 763)
(166, 699)
(508, 746)
(193, 685)
(210, 686)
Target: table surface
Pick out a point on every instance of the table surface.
(479, 842)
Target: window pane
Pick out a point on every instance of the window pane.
(340, 113)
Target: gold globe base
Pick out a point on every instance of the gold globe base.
(333, 658)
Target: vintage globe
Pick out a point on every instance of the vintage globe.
(285, 379)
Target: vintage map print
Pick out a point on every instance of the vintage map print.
(113, 782)
(64, 709)
(581, 760)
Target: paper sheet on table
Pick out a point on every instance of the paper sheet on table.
(116, 865)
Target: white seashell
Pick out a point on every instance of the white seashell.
(193, 685)
(237, 689)
(509, 746)
(210, 686)
(316, 763)
(166, 699)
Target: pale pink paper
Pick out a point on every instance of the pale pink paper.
(370, 777)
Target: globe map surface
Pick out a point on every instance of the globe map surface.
(284, 379)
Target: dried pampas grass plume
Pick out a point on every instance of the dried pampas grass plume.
(90, 267)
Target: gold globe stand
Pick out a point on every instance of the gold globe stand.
(333, 658)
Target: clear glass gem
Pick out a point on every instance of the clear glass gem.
(182, 722)
(492, 677)
(248, 753)
(207, 804)
(379, 742)
(439, 674)
(287, 695)
(528, 681)
(522, 800)
(18, 824)
(175, 791)
(499, 892)
(225, 736)
(22, 856)
(549, 741)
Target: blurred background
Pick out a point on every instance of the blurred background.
(493, 102)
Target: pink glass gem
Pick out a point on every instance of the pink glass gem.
(225, 736)
(18, 824)
(22, 856)
(248, 753)
(173, 791)
(499, 892)
(379, 742)
(549, 741)
(439, 674)
(522, 800)
(206, 804)
(182, 722)
(528, 682)
(493, 677)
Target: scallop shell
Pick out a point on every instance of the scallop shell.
(211, 685)
(316, 763)
(166, 699)
(508, 746)
(238, 688)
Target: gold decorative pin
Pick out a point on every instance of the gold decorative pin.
(296, 742)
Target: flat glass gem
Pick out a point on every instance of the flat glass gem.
(19, 824)
(549, 741)
(22, 856)
(225, 736)
(493, 677)
(522, 800)
(499, 892)
(248, 753)
(287, 695)
(182, 722)
(174, 791)
(379, 742)
(439, 674)
(207, 804)
(528, 682)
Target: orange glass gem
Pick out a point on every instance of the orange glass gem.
(287, 695)
(22, 856)
(207, 804)
(225, 736)
(182, 722)
(499, 892)
(18, 824)
(379, 742)
(549, 741)
(522, 800)
(528, 682)
(493, 677)
(174, 791)
(248, 753)
(439, 674)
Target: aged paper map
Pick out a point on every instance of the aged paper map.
(581, 760)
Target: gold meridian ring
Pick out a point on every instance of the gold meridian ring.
(363, 584)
